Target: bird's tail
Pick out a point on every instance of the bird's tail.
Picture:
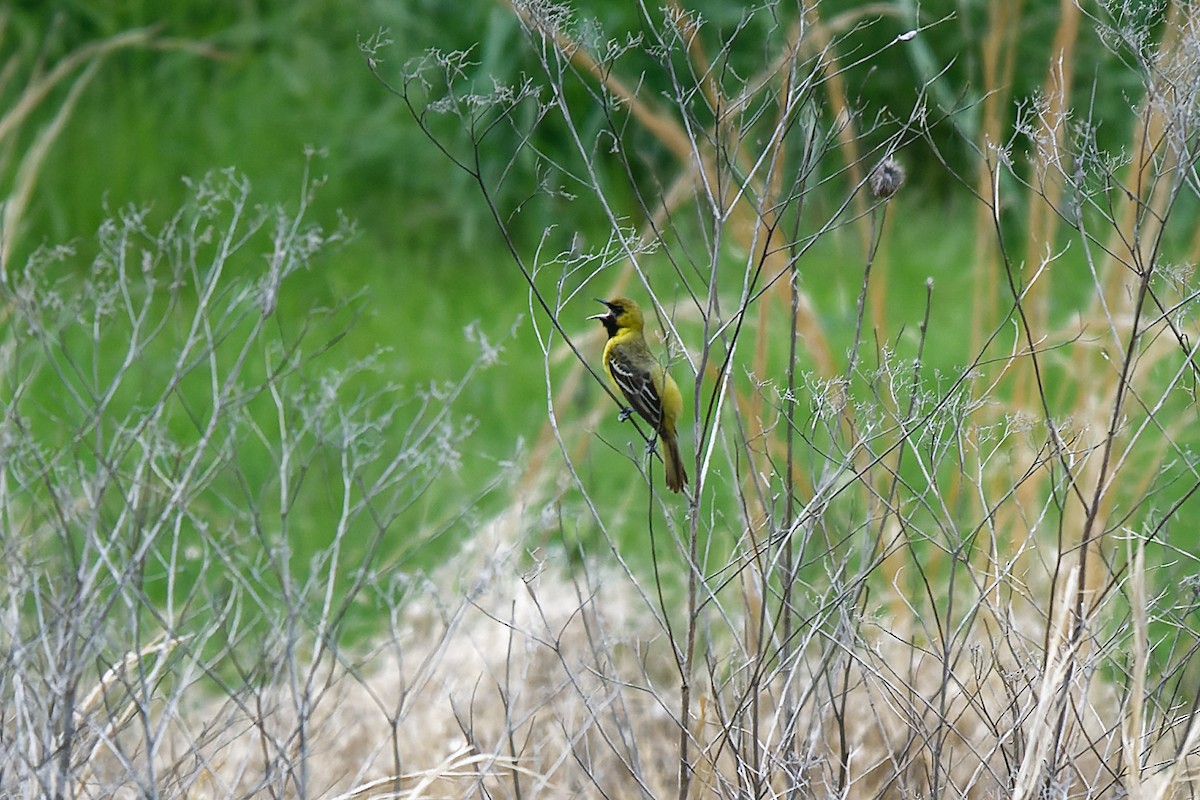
(673, 470)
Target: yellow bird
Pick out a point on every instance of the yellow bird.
(650, 390)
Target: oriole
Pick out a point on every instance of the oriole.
(650, 390)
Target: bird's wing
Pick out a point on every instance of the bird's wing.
(637, 384)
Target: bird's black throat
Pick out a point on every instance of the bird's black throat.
(610, 324)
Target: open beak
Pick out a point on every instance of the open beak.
(606, 314)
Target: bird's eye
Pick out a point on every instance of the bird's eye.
(617, 309)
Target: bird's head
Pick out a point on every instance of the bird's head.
(622, 313)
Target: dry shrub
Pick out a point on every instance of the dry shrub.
(500, 678)
(514, 677)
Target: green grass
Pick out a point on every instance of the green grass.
(262, 87)
(427, 261)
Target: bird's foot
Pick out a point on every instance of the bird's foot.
(625, 414)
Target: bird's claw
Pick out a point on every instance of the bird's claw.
(625, 414)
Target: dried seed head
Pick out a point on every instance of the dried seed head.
(887, 178)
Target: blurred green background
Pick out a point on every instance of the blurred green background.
(253, 85)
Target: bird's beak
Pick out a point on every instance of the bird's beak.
(606, 314)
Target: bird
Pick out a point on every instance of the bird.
(649, 388)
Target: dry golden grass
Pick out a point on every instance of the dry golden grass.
(513, 679)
